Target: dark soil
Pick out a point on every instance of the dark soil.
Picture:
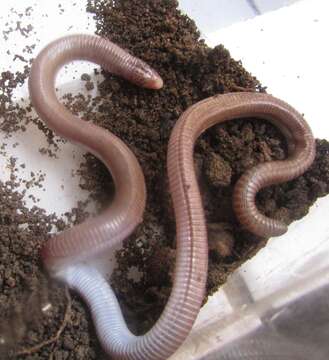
(158, 33)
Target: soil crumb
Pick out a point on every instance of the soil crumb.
(58, 325)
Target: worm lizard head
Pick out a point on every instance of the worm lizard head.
(146, 76)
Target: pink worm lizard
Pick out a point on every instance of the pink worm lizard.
(64, 253)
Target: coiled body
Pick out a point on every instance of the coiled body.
(64, 253)
(300, 141)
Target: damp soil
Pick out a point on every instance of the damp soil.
(58, 325)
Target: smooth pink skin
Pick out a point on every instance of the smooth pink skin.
(125, 212)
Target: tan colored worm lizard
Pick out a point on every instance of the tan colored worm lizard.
(65, 253)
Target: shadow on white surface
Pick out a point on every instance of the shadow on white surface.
(212, 15)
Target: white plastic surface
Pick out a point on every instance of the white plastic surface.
(287, 51)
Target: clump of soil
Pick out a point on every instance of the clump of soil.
(154, 30)
(34, 311)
